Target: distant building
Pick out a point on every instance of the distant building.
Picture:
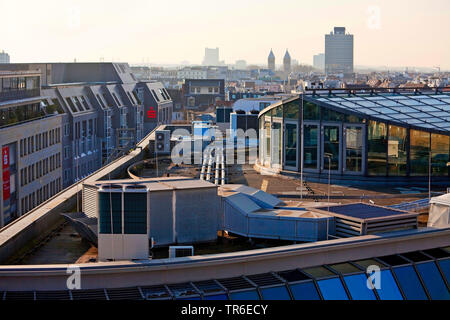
(271, 61)
(338, 51)
(287, 62)
(31, 145)
(192, 73)
(203, 93)
(4, 57)
(241, 64)
(319, 61)
(211, 57)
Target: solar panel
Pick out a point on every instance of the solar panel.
(362, 211)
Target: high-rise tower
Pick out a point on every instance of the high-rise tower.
(338, 51)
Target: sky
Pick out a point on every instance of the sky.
(387, 33)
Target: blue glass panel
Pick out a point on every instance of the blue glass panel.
(275, 293)
(433, 281)
(191, 298)
(244, 295)
(216, 297)
(388, 288)
(410, 283)
(332, 289)
(445, 267)
(304, 291)
(357, 285)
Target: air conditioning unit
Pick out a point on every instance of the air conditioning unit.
(181, 251)
(162, 141)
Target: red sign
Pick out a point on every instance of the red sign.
(5, 165)
(151, 114)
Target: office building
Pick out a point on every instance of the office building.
(338, 51)
(211, 57)
(319, 61)
(4, 57)
(31, 145)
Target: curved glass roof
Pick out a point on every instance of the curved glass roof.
(431, 111)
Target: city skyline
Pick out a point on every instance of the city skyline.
(386, 34)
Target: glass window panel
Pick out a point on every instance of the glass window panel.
(331, 146)
(377, 148)
(353, 119)
(310, 140)
(319, 272)
(244, 295)
(388, 103)
(344, 268)
(277, 145)
(410, 283)
(426, 108)
(397, 154)
(445, 267)
(433, 281)
(216, 297)
(331, 115)
(370, 112)
(388, 288)
(419, 152)
(353, 149)
(367, 103)
(411, 102)
(357, 285)
(304, 291)
(291, 144)
(432, 101)
(405, 109)
(311, 111)
(332, 289)
(275, 293)
(277, 112)
(440, 147)
(292, 110)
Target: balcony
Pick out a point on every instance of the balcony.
(19, 94)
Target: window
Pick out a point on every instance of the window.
(357, 285)
(71, 105)
(433, 281)
(377, 148)
(304, 291)
(440, 147)
(388, 288)
(116, 99)
(410, 283)
(332, 289)
(310, 111)
(419, 150)
(397, 153)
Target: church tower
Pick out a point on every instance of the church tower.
(271, 61)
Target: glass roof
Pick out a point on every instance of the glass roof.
(422, 110)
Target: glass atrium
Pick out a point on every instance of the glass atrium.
(350, 133)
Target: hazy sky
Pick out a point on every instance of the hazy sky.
(387, 32)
